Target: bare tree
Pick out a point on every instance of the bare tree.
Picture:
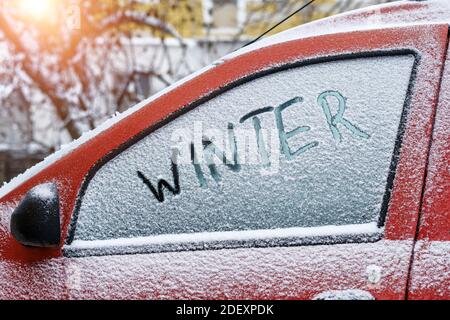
(83, 72)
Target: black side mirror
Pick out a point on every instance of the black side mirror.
(36, 220)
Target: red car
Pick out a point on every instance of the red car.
(344, 192)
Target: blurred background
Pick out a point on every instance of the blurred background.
(68, 65)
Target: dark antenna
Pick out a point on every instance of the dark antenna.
(279, 23)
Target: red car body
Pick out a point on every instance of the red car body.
(411, 260)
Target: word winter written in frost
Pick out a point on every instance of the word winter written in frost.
(336, 123)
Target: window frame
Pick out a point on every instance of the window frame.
(241, 13)
(149, 245)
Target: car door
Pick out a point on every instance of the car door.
(293, 171)
(430, 276)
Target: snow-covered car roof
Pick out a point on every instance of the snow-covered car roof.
(397, 14)
(391, 15)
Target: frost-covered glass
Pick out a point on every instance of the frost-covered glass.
(304, 147)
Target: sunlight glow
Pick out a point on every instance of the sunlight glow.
(37, 9)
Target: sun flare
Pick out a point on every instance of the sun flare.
(37, 9)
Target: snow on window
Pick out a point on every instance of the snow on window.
(306, 147)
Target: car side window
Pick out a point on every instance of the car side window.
(308, 146)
